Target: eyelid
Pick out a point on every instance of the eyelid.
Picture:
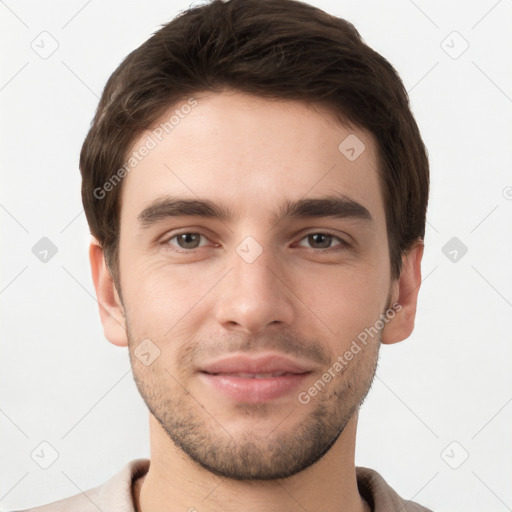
(168, 235)
(166, 240)
(343, 243)
(327, 232)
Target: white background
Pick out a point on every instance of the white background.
(63, 383)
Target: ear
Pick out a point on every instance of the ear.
(405, 294)
(111, 308)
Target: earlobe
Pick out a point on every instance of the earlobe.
(110, 306)
(407, 287)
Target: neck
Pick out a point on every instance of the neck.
(175, 482)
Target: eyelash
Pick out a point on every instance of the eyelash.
(343, 245)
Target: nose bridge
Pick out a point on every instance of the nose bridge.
(253, 296)
(255, 267)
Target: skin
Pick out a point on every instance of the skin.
(208, 451)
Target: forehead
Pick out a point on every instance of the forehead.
(253, 154)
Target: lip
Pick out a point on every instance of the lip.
(236, 376)
(264, 363)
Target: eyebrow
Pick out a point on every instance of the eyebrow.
(334, 206)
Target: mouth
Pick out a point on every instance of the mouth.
(254, 379)
(253, 375)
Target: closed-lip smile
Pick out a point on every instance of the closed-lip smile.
(254, 378)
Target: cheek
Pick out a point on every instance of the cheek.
(162, 299)
(344, 301)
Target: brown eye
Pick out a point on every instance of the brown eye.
(321, 240)
(187, 240)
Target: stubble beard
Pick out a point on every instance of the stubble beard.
(281, 452)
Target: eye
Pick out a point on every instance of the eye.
(323, 241)
(187, 240)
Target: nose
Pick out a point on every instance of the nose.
(255, 295)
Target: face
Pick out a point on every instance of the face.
(244, 313)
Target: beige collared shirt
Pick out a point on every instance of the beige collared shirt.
(115, 495)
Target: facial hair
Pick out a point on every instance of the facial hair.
(281, 453)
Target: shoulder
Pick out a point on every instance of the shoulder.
(115, 495)
(85, 502)
(382, 497)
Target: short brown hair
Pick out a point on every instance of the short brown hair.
(281, 49)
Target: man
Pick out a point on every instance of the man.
(256, 187)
